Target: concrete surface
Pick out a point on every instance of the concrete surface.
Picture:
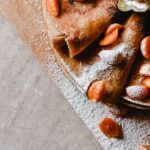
(33, 113)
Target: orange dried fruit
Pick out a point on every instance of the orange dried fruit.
(53, 7)
(137, 92)
(145, 47)
(110, 127)
(147, 82)
(113, 27)
(96, 90)
(145, 69)
(110, 38)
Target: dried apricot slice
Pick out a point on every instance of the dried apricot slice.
(137, 92)
(96, 91)
(145, 69)
(110, 127)
(145, 47)
(113, 27)
(53, 6)
(110, 38)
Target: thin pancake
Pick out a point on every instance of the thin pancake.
(79, 24)
(138, 79)
(128, 44)
(90, 66)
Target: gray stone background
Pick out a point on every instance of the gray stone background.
(33, 113)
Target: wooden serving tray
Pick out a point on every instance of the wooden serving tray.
(27, 18)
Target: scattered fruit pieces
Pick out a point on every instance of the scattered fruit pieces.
(147, 82)
(111, 35)
(110, 128)
(145, 69)
(137, 92)
(113, 27)
(145, 47)
(96, 91)
(110, 38)
(53, 6)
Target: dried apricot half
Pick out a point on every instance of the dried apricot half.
(113, 27)
(96, 90)
(53, 7)
(110, 127)
(110, 38)
(145, 47)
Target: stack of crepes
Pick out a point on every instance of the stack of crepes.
(96, 42)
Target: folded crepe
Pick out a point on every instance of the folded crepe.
(110, 63)
(116, 61)
(139, 77)
(79, 24)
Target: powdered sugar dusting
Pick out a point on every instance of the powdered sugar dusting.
(114, 55)
(91, 73)
(111, 57)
